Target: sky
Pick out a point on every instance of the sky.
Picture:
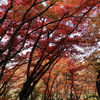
(3, 1)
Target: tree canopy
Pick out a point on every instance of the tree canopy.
(36, 34)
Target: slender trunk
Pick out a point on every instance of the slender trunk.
(72, 82)
(98, 84)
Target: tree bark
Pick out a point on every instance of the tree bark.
(24, 94)
(98, 84)
(26, 90)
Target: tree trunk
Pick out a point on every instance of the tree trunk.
(27, 89)
(25, 93)
(98, 84)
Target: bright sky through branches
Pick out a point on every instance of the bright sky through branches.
(3, 1)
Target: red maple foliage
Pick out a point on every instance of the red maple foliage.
(32, 32)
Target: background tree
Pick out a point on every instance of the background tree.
(12, 82)
(68, 80)
(93, 61)
(37, 33)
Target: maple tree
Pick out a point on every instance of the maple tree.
(64, 76)
(38, 32)
(93, 60)
(12, 82)
(68, 80)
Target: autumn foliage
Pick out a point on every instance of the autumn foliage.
(35, 35)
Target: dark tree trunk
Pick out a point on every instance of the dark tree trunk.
(25, 93)
(98, 84)
(26, 90)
